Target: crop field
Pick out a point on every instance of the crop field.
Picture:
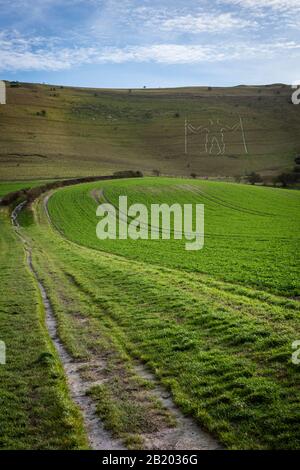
(214, 328)
(251, 233)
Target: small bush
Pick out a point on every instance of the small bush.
(286, 179)
(42, 113)
(254, 178)
(46, 358)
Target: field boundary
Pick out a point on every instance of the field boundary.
(31, 194)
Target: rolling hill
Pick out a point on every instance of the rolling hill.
(117, 343)
(52, 131)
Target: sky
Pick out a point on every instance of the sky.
(165, 43)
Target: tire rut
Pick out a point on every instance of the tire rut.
(98, 437)
(187, 435)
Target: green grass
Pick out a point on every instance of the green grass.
(12, 186)
(95, 131)
(251, 233)
(223, 351)
(36, 411)
(124, 402)
(215, 327)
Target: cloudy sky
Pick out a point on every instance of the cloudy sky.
(132, 43)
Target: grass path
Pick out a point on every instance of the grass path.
(98, 438)
(35, 408)
(130, 401)
(223, 351)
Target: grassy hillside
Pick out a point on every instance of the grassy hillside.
(58, 131)
(251, 233)
(215, 327)
(223, 352)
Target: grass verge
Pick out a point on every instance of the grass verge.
(36, 411)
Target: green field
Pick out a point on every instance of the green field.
(219, 339)
(251, 233)
(152, 333)
(7, 187)
(69, 132)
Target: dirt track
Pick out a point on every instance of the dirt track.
(187, 435)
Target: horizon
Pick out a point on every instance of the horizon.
(144, 88)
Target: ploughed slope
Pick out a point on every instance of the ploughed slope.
(53, 132)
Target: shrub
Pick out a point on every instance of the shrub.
(31, 194)
(254, 178)
(286, 179)
(128, 174)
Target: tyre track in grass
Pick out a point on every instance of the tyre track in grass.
(229, 205)
(187, 435)
(227, 286)
(98, 437)
(97, 195)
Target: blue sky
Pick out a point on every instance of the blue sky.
(131, 43)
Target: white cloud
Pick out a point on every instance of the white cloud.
(279, 5)
(207, 22)
(19, 53)
(282, 13)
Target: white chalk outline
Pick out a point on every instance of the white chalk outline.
(2, 92)
(2, 353)
(214, 141)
